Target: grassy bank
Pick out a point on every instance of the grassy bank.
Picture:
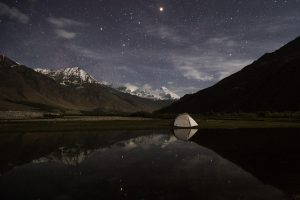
(76, 124)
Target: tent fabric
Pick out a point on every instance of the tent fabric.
(192, 122)
(185, 120)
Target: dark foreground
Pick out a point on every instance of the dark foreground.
(151, 164)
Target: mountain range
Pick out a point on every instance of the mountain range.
(162, 93)
(77, 77)
(71, 76)
(22, 88)
(270, 84)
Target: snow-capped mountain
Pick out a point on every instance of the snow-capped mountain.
(166, 93)
(162, 93)
(75, 76)
(69, 76)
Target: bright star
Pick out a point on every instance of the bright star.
(161, 9)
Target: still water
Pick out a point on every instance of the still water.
(203, 164)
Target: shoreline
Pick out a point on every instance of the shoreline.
(94, 124)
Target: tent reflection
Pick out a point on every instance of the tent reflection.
(184, 134)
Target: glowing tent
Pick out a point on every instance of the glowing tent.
(185, 121)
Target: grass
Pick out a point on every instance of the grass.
(241, 123)
(22, 126)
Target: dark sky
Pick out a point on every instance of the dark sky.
(188, 46)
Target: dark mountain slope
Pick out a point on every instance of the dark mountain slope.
(21, 88)
(272, 83)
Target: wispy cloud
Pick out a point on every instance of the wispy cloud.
(64, 22)
(222, 40)
(65, 34)
(13, 13)
(229, 67)
(165, 32)
(85, 52)
(190, 72)
(190, 66)
(275, 25)
(212, 67)
(182, 90)
(60, 25)
(131, 87)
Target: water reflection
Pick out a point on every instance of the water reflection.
(184, 134)
(271, 155)
(66, 155)
(148, 166)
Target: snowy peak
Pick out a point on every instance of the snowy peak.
(75, 76)
(147, 92)
(168, 93)
(69, 76)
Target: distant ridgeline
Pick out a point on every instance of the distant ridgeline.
(23, 89)
(270, 84)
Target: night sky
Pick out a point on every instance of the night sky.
(185, 45)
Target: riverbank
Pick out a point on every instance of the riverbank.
(90, 123)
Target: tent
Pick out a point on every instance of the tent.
(185, 121)
(184, 134)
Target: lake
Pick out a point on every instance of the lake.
(151, 164)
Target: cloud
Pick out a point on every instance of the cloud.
(60, 25)
(64, 22)
(131, 87)
(229, 67)
(165, 32)
(182, 90)
(222, 40)
(147, 87)
(65, 34)
(190, 67)
(223, 74)
(85, 52)
(207, 67)
(190, 72)
(277, 24)
(13, 13)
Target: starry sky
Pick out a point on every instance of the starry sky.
(185, 45)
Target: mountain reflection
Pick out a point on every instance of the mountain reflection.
(66, 155)
(147, 166)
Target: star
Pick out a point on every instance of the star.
(150, 37)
